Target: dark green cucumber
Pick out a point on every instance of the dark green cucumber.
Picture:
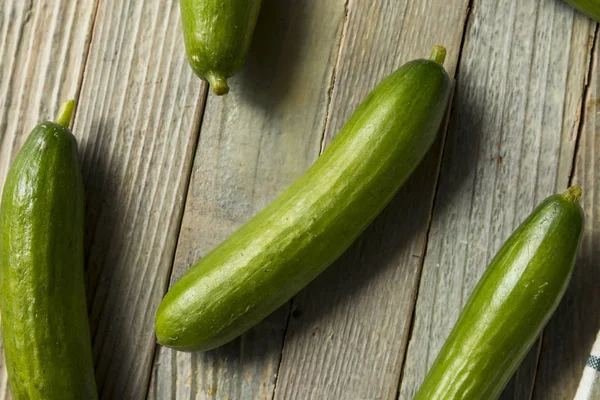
(217, 36)
(315, 220)
(510, 305)
(45, 324)
(591, 8)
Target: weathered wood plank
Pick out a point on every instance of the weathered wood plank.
(254, 142)
(349, 328)
(510, 145)
(570, 334)
(137, 121)
(43, 47)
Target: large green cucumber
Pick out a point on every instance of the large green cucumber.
(45, 324)
(315, 220)
(591, 8)
(217, 36)
(510, 305)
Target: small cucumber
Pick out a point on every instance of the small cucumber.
(285, 246)
(45, 324)
(510, 305)
(217, 36)
(591, 8)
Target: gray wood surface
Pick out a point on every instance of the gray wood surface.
(170, 172)
(37, 74)
(510, 145)
(570, 334)
(254, 142)
(137, 121)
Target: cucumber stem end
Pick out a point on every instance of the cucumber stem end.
(438, 54)
(65, 113)
(573, 193)
(218, 84)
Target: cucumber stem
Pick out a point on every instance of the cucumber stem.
(573, 193)
(65, 113)
(438, 54)
(218, 84)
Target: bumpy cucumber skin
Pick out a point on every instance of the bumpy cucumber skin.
(285, 246)
(217, 36)
(509, 307)
(591, 8)
(45, 324)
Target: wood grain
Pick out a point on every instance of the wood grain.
(518, 107)
(570, 334)
(254, 142)
(510, 145)
(138, 122)
(349, 328)
(43, 47)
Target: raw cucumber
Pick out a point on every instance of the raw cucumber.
(217, 36)
(45, 324)
(510, 305)
(291, 241)
(591, 8)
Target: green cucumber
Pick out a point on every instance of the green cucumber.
(217, 36)
(510, 305)
(45, 324)
(290, 242)
(591, 8)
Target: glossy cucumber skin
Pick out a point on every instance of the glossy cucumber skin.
(286, 245)
(45, 324)
(509, 307)
(591, 8)
(217, 36)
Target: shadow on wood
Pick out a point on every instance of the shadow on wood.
(103, 241)
(272, 61)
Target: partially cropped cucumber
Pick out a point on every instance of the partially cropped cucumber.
(295, 238)
(45, 324)
(591, 8)
(510, 305)
(217, 36)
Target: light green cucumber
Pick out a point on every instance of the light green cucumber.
(510, 305)
(217, 37)
(45, 325)
(316, 219)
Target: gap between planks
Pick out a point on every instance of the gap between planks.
(199, 116)
(435, 196)
(322, 148)
(594, 51)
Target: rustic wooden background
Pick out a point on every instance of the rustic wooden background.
(171, 170)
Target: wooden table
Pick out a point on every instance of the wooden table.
(171, 170)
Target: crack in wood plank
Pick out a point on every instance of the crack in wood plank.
(421, 257)
(569, 336)
(321, 148)
(457, 73)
